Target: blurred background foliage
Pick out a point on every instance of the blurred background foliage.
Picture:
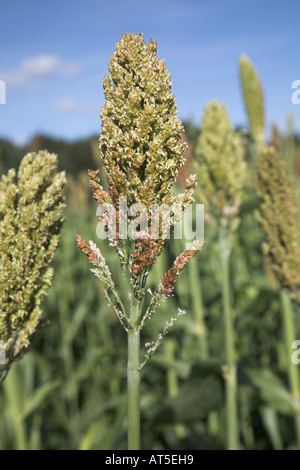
(69, 391)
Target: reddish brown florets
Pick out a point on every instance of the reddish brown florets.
(169, 279)
(82, 245)
(148, 250)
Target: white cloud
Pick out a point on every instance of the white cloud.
(68, 69)
(34, 69)
(66, 104)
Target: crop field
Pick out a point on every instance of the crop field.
(126, 328)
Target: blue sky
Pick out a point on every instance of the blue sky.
(53, 57)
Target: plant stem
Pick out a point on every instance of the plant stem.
(289, 336)
(133, 380)
(230, 373)
(15, 399)
(172, 379)
(198, 307)
(171, 371)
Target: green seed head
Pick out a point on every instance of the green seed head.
(220, 164)
(280, 219)
(253, 98)
(31, 206)
(140, 141)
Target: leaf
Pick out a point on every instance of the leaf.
(270, 420)
(89, 437)
(37, 398)
(194, 401)
(182, 368)
(273, 391)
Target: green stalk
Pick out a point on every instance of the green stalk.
(289, 337)
(171, 371)
(198, 308)
(230, 373)
(133, 380)
(172, 380)
(14, 396)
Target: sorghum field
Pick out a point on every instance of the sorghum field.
(211, 332)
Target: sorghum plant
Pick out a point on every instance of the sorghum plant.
(141, 151)
(221, 172)
(280, 220)
(253, 99)
(220, 167)
(31, 206)
(289, 147)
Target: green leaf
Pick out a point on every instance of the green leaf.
(37, 398)
(270, 419)
(194, 401)
(273, 391)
